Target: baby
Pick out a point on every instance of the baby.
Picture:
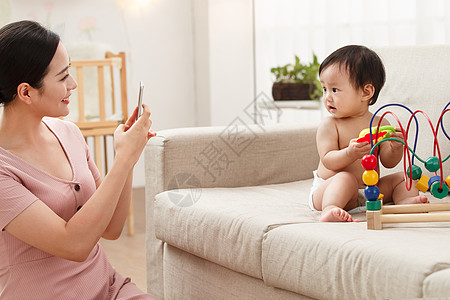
(352, 78)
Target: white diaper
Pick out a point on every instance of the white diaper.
(318, 181)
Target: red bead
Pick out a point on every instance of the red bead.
(369, 162)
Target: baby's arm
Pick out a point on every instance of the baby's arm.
(331, 156)
(391, 152)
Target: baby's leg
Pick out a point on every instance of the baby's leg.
(393, 188)
(336, 195)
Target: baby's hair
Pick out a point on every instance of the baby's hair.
(363, 65)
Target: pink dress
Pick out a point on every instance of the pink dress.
(29, 273)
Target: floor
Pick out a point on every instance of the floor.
(127, 254)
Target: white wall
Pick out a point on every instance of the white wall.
(231, 59)
(202, 62)
(223, 43)
(162, 56)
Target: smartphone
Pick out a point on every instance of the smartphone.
(141, 96)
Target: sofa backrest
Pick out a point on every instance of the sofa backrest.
(232, 156)
(418, 77)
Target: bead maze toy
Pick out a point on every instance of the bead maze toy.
(376, 213)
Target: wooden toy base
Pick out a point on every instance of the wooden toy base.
(407, 213)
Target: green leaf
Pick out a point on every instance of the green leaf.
(299, 72)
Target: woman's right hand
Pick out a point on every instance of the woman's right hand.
(130, 138)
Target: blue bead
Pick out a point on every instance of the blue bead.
(433, 179)
(372, 192)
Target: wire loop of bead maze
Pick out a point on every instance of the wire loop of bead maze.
(376, 213)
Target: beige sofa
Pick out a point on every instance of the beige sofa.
(227, 212)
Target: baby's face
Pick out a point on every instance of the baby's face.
(340, 97)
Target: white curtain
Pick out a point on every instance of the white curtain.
(284, 28)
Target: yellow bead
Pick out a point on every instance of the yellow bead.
(422, 184)
(370, 177)
(447, 181)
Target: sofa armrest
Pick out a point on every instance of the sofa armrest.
(232, 156)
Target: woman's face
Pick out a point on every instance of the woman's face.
(57, 86)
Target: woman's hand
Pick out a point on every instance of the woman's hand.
(130, 138)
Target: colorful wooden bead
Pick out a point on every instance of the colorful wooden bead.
(437, 191)
(422, 184)
(372, 192)
(432, 164)
(373, 205)
(370, 177)
(433, 179)
(369, 162)
(416, 172)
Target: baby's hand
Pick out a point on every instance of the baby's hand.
(397, 135)
(357, 150)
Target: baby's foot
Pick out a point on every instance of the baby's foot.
(336, 214)
(413, 200)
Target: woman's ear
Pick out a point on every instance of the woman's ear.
(24, 92)
(367, 92)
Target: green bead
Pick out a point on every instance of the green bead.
(437, 192)
(373, 205)
(416, 172)
(432, 164)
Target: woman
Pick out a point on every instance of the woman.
(54, 207)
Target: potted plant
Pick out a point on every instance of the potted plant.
(297, 81)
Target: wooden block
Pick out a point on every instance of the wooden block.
(374, 220)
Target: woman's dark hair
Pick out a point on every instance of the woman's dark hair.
(26, 50)
(363, 66)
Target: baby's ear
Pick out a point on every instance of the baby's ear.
(367, 92)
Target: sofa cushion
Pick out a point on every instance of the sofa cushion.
(437, 285)
(227, 225)
(347, 261)
(269, 232)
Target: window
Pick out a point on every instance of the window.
(284, 28)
